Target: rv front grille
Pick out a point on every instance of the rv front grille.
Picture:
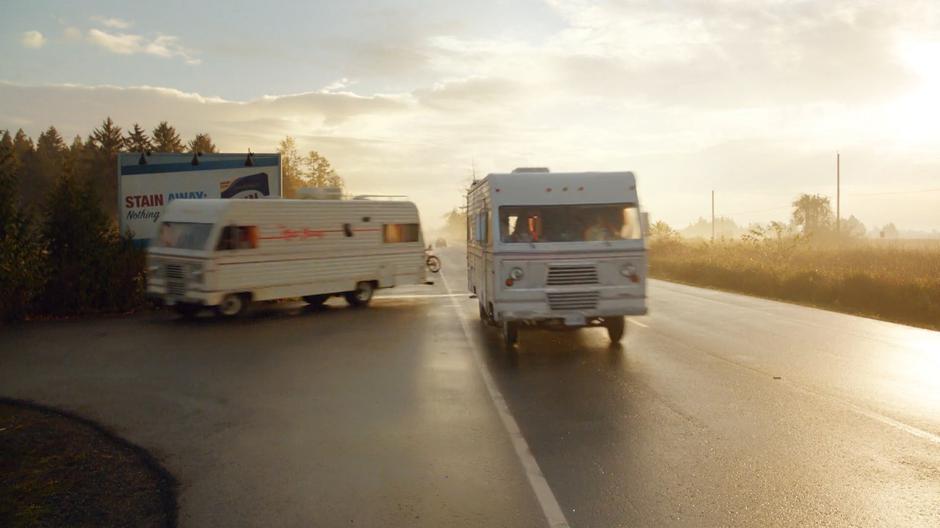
(567, 275)
(174, 271)
(176, 288)
(576, 300)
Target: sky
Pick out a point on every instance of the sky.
(751, 99)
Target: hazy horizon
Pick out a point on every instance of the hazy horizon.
(749, 99)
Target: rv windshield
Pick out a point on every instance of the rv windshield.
(184, 235)
(568, 223)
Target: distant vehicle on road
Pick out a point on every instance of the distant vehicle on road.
(558, 250)
(440, 242)
(225, 254)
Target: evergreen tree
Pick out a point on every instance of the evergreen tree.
(138, 140)
(48, 163)
(108, 137)
(203, 144)
(21, 252)
(9, 170)
(25, 154)
(76, 160)
(105, 143)
(22, 147)
(165, 139)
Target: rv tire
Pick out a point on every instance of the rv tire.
(510, 334)
(315, 300)
(233, 305)
(186, 310)
(485, 315)
(361, 296)
(615, 328)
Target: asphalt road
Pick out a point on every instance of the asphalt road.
(716, 410)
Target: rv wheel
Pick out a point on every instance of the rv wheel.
(232, 305)
(361, 295)
(186, 310)
(510, 333)
(315, 300)
(615, 328)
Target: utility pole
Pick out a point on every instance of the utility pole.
(713, 216)
(838, 195)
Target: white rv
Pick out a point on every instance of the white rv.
(227, 253)
(561, 250)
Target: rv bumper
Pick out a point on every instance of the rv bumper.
(160, 295)
(542, 314)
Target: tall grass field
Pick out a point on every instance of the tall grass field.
(895, 281)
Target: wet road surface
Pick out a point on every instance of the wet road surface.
(716, 410)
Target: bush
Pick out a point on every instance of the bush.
(22, 270)
(91, 267)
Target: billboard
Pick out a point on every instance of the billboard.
(147, 183)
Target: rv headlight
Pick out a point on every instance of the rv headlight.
(516, 274)
(628, 270)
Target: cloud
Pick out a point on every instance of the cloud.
(33, 39)
(164, 46)
(122, 44)
(112, 22)
(748, 98)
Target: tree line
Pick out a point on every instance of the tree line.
(812, 218)
(61, 251)
(92, 160)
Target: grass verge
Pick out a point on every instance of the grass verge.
(893, 284)
(58, 469)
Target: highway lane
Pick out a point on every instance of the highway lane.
(292, 417)
(716, 410)
(727, 410)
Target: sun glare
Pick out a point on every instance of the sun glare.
(916, 115)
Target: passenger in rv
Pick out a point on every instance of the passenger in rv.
(599, 230)
(523, 230)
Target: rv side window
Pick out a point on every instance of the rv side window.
(395, 233)
(487, 220)
(238, 237)
(481, 227)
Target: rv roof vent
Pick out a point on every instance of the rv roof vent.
(380, 197)
(320, 193)
(530, 169)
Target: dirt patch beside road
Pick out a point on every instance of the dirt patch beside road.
(57, 469)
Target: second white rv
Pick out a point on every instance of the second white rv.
(561, 250)
(225, 254)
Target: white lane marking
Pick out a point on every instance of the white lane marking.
(634, 321)
(543, 492)
(910, 429)
(421, 295)
(878, 417)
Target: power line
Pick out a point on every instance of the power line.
(895, 192)
(754, 211)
